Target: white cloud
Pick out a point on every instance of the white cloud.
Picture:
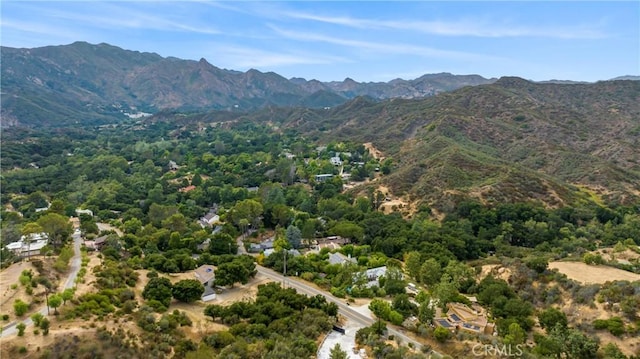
(467, 27)
(382, 48)
(119, 17)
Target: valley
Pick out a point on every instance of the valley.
(481, 214)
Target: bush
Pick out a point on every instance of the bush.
(441, 334)
(614, 325)
(20, 307)
(21, 327)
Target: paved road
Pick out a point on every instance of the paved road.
(10, 329)
(344, 309)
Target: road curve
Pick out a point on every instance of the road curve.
(76, 260)
(344, 309)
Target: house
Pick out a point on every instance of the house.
(339, 258)
(42, 209)
(372, 276)
(28, 245)
(173, 166)
(99, 242)
(209, 219)
(290, 252)
(262, 246)
(84, 211)
(323, 177)
(336, 161)
(205, 274)
(462, 317)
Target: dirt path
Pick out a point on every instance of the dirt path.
(584, 273)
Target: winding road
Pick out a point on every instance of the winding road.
(74, 268)
(344, 309)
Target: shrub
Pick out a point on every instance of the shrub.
(21, 327)
(441, 334)
(20, 307)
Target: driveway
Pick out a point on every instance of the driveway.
(74, 267)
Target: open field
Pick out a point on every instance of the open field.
(584, 273)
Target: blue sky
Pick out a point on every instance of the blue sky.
(366, 41)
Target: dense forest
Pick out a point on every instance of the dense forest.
(154, 179)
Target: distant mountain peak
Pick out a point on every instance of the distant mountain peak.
(38, 87)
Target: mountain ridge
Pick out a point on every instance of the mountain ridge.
(59, 85)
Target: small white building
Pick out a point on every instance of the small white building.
(205, 275)
(29, 245)
(84, 211)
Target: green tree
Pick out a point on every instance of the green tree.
(36, 318)
(21, 327)
(403, 305)
(430, 272)
(188, 290)
(441, 334)
(20, 307)
(227, 274)
(426, 312)
(294, 236)
(159, 289)
(516, 335)
(66, 295)
(538, 264)
(551, 317)
(337, 352)
(349, 230)
(412, 263)
(55, 301)
(248, 209)
(44, 325)
(57, 227)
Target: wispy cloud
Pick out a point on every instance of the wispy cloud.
(385, 48)
(466, 27)
(115, 16)
(36, 28)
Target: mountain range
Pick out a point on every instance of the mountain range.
(451, 137)
(82, 82)
(510, 141)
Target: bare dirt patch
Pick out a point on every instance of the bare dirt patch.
(86, 284)
(590, 274)
(108, 227)
(377, 154)
(496, 270)
(396, 204)
(9, 277)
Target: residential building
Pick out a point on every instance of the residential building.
(84, 211)
(205, 274)
(323, 177)
(339, 258)
(29, 245)
(462, 317)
